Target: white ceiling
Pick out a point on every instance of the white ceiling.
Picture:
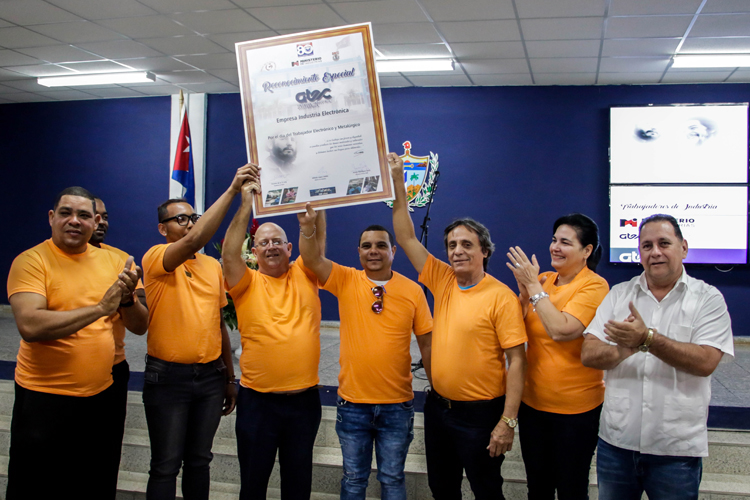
(189, 44)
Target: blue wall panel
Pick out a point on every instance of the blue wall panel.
(514, 158)
(116, 148)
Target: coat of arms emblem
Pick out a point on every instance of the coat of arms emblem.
(419, 177)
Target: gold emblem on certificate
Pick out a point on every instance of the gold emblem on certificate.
(313, 119)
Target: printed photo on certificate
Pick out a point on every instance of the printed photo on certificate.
(313, 119)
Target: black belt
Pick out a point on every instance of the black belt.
(452, 405)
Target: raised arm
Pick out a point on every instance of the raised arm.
(320, 234)
(231, 253)
(310, 248)
(402, 223)
(206, 227)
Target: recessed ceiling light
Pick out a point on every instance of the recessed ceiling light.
(711, 61)
(97, 79)
(410, 65)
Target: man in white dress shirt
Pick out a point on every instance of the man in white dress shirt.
(660, 336)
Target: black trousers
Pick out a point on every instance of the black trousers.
(557, 451)
(60, 445)
(120, 377)
(456, 439)
(269, 422)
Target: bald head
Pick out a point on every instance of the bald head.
(273, 250)
(272, 229)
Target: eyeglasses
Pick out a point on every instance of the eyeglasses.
(183, 219)
(379, 293)
(265, 243)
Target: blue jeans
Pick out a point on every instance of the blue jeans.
(183, 404)
(267, 422)
(391, 426)
(625, 474)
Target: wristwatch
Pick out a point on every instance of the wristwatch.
(512, 422)
(649, 339)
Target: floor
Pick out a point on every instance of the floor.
(730, 384)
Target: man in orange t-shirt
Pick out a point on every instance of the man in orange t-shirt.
(189, 378)
(471, 413)
(120, 368)
(278, 311)
(65, 296)
(379, 309)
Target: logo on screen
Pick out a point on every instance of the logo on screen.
(630, 257)
(295, 63)
(312, 96)
(304, 49)
(628, 222)
(628, 236)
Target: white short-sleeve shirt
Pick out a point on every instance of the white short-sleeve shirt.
(650, 406)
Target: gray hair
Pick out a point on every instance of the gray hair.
(479, 229)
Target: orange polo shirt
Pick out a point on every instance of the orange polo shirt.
(119, 327)
(279, 321)
(556, 380)
(473, 328)
(184, 307)
(374, 351)
(79, 364)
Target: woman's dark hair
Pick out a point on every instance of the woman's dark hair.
(587, 232)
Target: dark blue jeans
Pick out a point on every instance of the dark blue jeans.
(391, 426)
(625, 475)
(557, 451)
(183, 406)
(269, 422)
(456, 439)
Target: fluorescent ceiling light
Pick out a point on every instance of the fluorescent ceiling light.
(711, 61)
(410, 65)
(97, 79)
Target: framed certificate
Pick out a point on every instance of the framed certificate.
(314, 120)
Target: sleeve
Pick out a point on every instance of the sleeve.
(27, 274)
(713, 326)
(422, 316)
(509, 324)
(603, 314)
(242, 286)
(309, 273)
(336, 279)
(584, 302)
(153, 262)
(435, 274)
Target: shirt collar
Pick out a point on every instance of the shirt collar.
(681, 283)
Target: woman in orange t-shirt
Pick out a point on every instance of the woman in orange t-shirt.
(562, 399)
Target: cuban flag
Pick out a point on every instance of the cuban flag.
(183, 170)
